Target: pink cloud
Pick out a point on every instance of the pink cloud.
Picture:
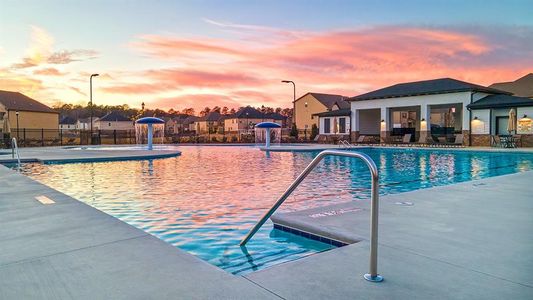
(48, 72)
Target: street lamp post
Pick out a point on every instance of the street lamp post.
(18, 130)
(293, 100)
(91, 102)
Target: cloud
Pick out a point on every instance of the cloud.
(41, 52)
(68, 56)
(348, 61)
(49, 72)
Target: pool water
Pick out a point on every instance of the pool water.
(206, 200)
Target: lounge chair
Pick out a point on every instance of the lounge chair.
(361, 139)
(517, 140)
(406, 140)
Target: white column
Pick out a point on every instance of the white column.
(425, 122)
(384, 124)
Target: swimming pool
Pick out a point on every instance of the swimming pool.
(206, 200)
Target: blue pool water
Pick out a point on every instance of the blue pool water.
(207, 199)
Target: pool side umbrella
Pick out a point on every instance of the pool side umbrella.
(6, 128)
(511, 126)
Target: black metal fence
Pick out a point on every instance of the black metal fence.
(72, 137)
(64, 137)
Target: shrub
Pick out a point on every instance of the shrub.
(314, 131)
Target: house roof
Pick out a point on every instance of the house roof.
(522, 87)
(328, 100)
(210, 117)
(18, 101)
(248, 112)
(67, 120)
(275, 116)
(114, 116)
(500, 101)
(335, 113)
(190, 119)
(426, 87)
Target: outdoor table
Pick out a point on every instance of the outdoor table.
(507, 141)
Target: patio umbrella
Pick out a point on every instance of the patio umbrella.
(6, 128)
(511, 126)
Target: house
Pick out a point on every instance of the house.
(114, 121)
(246, 118)
(84, 124)
(213, 122)
(307, 106)
(335, 123)
(24, 113)
(438, 108)
(67, 123)
(522, 87)
(180, 124)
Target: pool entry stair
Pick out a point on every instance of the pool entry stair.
(373, 275)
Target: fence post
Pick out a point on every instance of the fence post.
(61, 137)
(42, 137)
(99, 137)
(23, 135)
(115, 136)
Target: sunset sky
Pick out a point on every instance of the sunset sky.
(177, 54)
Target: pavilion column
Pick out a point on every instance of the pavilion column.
(354, 125)
(384, 125)
(425, 128)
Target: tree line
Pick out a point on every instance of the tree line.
(77, 111)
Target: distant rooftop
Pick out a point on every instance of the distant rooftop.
(114, 116)
(67, 120)
(328, 100)
(18, 101)
(522, 87)
(426, 87)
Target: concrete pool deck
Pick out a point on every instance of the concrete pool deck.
(67, 154)
(465, 241)
(471, 240)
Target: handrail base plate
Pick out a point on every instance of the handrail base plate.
(377, 278)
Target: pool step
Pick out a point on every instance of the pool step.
(309, 223)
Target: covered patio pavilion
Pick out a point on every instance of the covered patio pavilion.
(428, 110)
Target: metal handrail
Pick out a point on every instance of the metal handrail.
(15, 149)
(346, 144)
(373, 274)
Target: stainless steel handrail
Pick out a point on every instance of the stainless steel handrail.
(15, 148)
(373, 274)
(346, 144)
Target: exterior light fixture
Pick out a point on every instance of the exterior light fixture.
(475, 118)
(524, 117)
(423, 120)
(382, 121)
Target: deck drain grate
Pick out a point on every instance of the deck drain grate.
(404, 203)
(44, 200)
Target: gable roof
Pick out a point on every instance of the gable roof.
(248, 112)
(18, 101)
(500, 101)
(275, 116)
(426, 87)
(326, 99)
(114, 116)
(335, 113)
(67, 120)
(210, 117)
(522, 87)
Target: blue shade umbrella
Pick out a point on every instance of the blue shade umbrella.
(267, 126)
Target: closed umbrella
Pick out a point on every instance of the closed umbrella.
(6, 128)
(511, 126)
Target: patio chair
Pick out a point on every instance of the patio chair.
(361, 139)
(517, 140)
(495, 141)
(406, 140)
(458, 140)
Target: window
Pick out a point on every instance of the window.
(109, 124)
(342, 125)
(327, 125)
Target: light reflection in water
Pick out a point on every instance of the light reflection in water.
(206, 200)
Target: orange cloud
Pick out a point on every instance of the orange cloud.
(48, 72)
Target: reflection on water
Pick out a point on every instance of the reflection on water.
(207, 199)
